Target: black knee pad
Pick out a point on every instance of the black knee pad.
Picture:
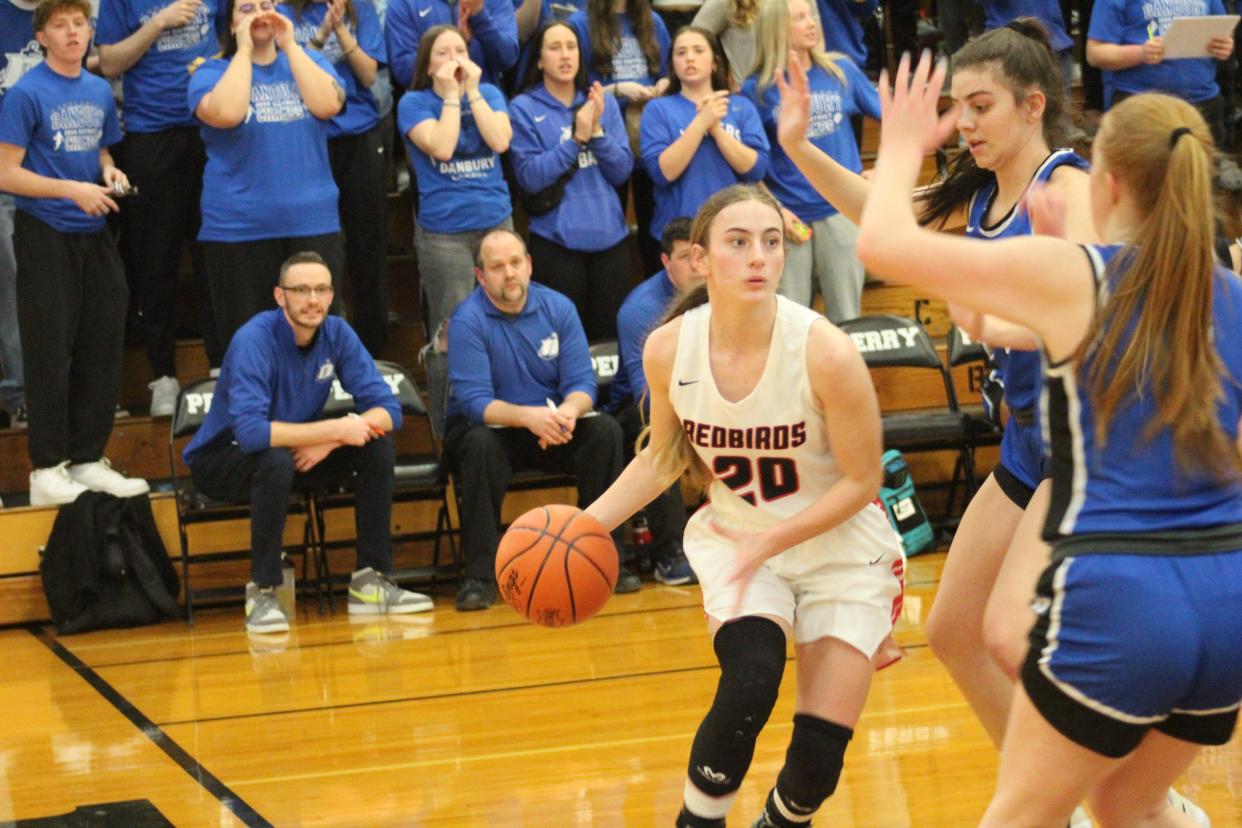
(812, 763)
(752, 661)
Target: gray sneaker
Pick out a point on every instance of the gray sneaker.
(164, 393)
(371, 593)
(263, 612)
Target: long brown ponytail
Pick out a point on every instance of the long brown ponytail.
(1154, 335)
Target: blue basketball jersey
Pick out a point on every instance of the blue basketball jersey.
(1018, 370)
(1133, 484)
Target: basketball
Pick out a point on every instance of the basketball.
(556, 565)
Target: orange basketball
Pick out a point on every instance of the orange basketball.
(556, 565)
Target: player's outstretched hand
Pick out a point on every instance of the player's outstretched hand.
(795, 117)
(911, 118)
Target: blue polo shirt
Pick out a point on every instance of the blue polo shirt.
(832, 105)
(267, 378)
(467, 192)
(664, 120)
(360, 113)
(268, 177)
(1128, 22)
(155, 86)
(529, 358)
(61, 123)
(638, 316)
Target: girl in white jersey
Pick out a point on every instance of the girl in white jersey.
(772, 407)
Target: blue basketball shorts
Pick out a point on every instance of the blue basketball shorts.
(1022, 462)
(1126, 642)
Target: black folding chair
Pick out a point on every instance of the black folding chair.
(897, 342)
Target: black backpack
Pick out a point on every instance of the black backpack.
(105, 565)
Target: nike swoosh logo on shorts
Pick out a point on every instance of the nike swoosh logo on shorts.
(686, 382)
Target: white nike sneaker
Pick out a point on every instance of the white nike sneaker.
(100, 477)
(53, 486)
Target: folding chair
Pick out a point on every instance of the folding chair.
(897, 342)
(417, 478)
(984, 422)
(194, 507)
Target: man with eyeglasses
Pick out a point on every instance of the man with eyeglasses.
(262, 436)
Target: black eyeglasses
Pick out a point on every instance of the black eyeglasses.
(304, 291)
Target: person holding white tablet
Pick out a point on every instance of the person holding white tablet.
(1126, 40)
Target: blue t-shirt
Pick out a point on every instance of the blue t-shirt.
(360, 113)
(493, 35)
(61, 123)
(832, 105)
(155, 85)
(267, 378)
(842, 30)
(1020, 371)
(1128, 22)
(19, 51)
(537, 355)
(664, 120)
(467, 192)
(637, 318)
(1133, 483)
(628, 62)
(268, 177)
(590, 216)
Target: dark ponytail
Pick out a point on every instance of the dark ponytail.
(1024, 61)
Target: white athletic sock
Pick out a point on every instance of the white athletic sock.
(708, 807)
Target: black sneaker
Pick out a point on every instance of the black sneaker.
(475, 594)
(627, 581)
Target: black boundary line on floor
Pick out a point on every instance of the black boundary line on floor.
(237, 806)
(332, 708)
(487, 628)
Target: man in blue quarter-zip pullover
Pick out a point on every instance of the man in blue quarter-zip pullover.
(263, 433)
(518, 357)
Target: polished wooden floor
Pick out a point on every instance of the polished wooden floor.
(456, 719)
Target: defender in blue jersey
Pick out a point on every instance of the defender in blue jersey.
(1010, 115)
(1132, 665)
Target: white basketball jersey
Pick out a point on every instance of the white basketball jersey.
(768, 453)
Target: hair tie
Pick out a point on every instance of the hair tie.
(1177, 133)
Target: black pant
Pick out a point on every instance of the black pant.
(484, 460)
(265, 479)
(243, 274)
(597, 283)
(167, 168)
(666, 515)
(360, 168)
(71, 304)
